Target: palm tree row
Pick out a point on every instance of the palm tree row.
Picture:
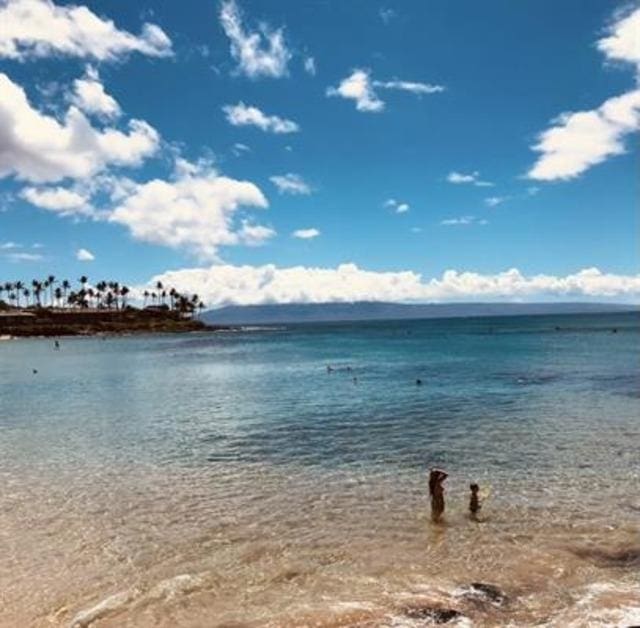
(53, 293)
(170, 299)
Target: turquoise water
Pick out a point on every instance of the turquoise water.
(251, 427)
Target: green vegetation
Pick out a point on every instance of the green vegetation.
(53, 293)
(52, 307)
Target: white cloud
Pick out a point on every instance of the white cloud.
(310, 66)
(623, 43)
(471, 178)
(197, 211)
(226, 284)
(397, 206)
(291, 183)
(583, 139)
(39, 28)
(409, 86)
(39, 148)
(580, 140)
(358, 87)
(258, 53)
(57, 199)
(89, 95)
(7, 246)
(306, 234)
(24, 257)
(254, 235)
(244, 115)
(239, 149)
(463, 221)
(83, 255)
(494, 201)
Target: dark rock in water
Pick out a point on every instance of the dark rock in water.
(620, 557)
(435, 614)
(489, 591)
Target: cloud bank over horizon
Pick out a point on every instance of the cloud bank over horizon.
(225, 284)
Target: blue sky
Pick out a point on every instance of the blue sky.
(313, 150)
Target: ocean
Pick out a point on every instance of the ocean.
(278, 476)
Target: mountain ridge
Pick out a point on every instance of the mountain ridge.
(381, 310)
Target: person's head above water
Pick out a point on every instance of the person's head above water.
(474, 487)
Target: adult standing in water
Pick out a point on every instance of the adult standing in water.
(436, 492)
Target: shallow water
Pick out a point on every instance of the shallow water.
(229, 479)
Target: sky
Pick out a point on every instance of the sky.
(260, 151)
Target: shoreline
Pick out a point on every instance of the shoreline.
(54, 323)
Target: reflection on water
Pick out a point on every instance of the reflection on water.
(229, 479)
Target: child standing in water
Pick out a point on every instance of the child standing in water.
(474, 501)
(436, 492)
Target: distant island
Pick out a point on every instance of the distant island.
(373, 310)
(51, 307)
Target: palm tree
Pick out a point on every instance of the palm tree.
(83, 281)
(65, 286)
(57, 293)
(37, 289)
(145, 296)
(124, 291)
(50, 281)
(18, 286)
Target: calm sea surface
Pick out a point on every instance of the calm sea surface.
(230, 479)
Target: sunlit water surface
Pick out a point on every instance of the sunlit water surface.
(229, 480)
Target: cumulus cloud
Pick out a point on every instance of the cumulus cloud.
(463, 221)
(40, 28)
(306, 234)
(579, 140)
(472, 178)
(57, 199)
(257, 53)
(622, 42)
(83, 255)
(360, 87)
(226, 284)
(583, 139)
(244, 115)
(37, 147)
(291, 183)
(90, 96)
(197, 211)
